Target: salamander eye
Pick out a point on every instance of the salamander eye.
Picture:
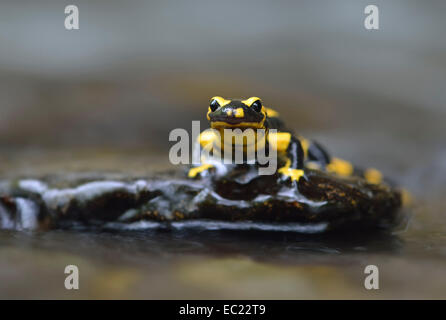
(214, 105)
(257, 105)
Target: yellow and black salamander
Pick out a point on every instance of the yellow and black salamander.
(295, 152)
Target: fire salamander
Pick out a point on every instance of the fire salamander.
(295, 152)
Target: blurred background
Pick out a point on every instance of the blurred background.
(106, 96)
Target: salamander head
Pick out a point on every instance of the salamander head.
(236, 113)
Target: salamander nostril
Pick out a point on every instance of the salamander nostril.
(239, 113)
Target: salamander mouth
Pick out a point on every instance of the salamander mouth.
(232, 122)
(228, 120)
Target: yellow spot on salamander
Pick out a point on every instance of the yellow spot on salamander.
(194, 171)
(305, 145)
(279, 140)
(271, 113)
(206, 138)
(373, 176)
(221, 101)
(406, 198)
(341, 167)
(313, 165)
(229, 112)
(222, 124)
(294, 174)
(250, 101)
(239, 113)
(207, 114)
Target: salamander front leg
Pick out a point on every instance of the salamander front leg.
(196, 171)
(293, 167)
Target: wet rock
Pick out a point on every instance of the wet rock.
(238, 199)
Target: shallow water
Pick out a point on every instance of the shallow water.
(220, 264)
